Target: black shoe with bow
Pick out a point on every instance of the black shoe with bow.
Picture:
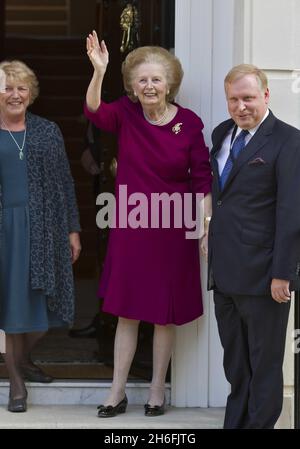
(154, 410)
(109, 411)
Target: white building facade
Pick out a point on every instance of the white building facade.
(211, 36)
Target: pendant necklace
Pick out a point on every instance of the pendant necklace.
(21, 152)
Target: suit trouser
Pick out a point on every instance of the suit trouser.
(252, 331)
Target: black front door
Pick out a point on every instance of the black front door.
(49, 35)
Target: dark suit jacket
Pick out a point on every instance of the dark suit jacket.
(255, 228)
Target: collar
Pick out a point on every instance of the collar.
(252, 131)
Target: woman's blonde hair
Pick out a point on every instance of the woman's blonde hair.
(18, 71)
(153, 55)
(239, 71)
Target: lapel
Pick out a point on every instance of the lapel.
(259, 139)
(30, 125)
(220, 134)
(34, 142)
(218, 138)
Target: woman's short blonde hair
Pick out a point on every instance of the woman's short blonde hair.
(239, 71)
(18, 71)
(153, 55)
(2, 80)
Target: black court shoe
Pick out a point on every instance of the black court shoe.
(109, 411)
(155, 410)
(36, 375)
(89, 331)
(17, 405)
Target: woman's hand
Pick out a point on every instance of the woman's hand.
(75, 245)
(97, 53)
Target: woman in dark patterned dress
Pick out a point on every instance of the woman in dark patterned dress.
(39, 229)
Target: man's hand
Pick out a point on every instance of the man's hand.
(280, 290)
(75, 245)
(204, 246)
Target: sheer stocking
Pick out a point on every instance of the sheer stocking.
(30, 340)
(163, 340)
(124, 350)
(14, 345)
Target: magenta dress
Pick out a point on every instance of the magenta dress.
(153, 274)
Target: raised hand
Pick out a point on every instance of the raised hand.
(97, 53)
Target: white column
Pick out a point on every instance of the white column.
(272, 42)
(210, 37)
(204, 44)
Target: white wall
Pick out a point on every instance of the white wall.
(203, 42)
(273, 43)
(211, 37)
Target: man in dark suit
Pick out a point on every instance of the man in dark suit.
(254, 246)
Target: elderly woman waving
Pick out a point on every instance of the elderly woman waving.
(151, 273)
(39, 228)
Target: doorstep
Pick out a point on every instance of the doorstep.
(85, 417)
(72, 405)
(70, 392)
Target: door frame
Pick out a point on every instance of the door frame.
(297, 364)
(204, 43)
(2, 28)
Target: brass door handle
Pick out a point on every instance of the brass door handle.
(129, 25)
(113, 167)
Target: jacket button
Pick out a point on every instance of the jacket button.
(219, 203)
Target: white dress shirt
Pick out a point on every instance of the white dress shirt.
(224, 151)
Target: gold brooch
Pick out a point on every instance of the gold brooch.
(177, 128)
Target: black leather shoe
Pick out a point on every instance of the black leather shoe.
(36, 375)
(17, 405)
(109, 411)
(89, 331)
(85, 332)
(154, 410)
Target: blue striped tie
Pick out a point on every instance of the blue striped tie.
(237, 147)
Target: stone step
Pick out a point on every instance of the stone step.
(71, 392)
(51, 28)
(72, 405)
(33, 14)
(85, 417)
(37, 17)
(44, 45)
(37, 3)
